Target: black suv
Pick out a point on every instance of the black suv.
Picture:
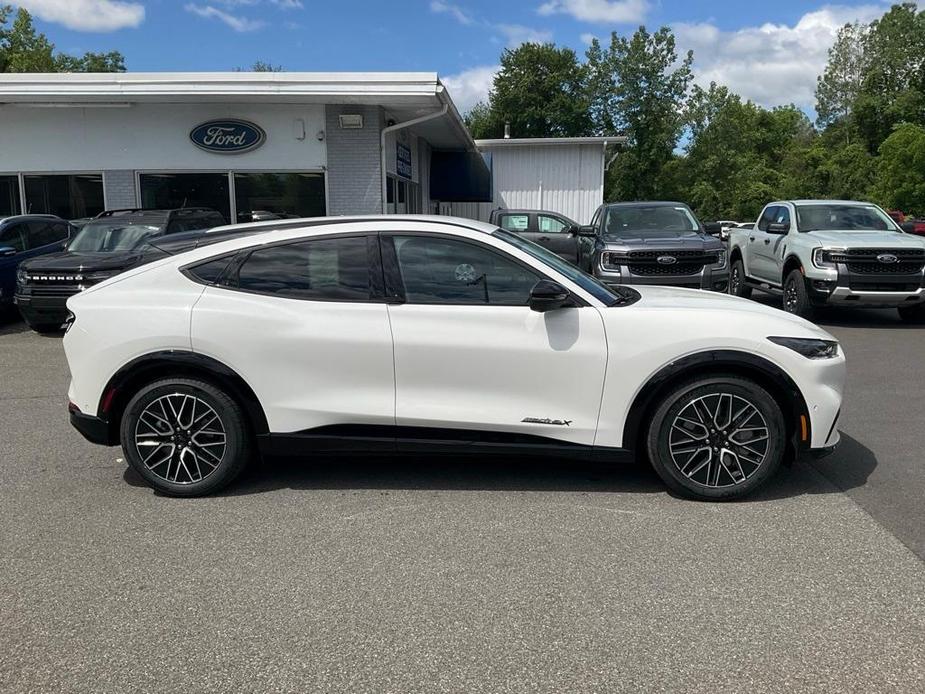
(108, 244)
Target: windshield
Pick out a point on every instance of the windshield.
(112, 236)
(835, 217)
(592, 285)
(636, 220)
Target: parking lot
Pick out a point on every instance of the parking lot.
(460, 574)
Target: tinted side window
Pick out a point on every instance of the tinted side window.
(46, 233)
(767, 217)
(551, 225)
(322, 269)
(446, 271)
(514, 222)
(782, 216)
(210, 272)
(12, 237)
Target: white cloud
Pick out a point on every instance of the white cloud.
(471, 86)
(454, 11)
(517, 34)
(772, 64)
(587, 38)
(240, 24)
(282, 4)
(616, 11)
(87, 15)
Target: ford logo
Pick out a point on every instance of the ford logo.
(228, 136)
(667, 260)
(887, 258)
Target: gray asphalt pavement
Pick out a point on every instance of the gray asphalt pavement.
(465, 575)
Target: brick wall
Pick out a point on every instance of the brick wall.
(120, 189)
(354, 161)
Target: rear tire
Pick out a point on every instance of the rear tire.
(913, 314)
(185, 437)
(796, 299)
(737, 282)
(716, 438)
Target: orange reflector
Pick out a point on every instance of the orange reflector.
(804, 429)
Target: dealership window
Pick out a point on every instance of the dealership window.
(265, 195)
(402, 196)
(71, 196)
(9, 196)
(173, 190)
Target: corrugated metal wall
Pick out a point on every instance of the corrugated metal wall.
(561, 178)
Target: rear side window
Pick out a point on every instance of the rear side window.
(210, 272)
(46, 233)
(321, 269)
(12, 237)
(515, 222)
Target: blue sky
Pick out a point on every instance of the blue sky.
(769, 52)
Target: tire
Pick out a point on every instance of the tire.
(737, 285)
(913, 314)
(796, 300)
(722, 469)
(184, 461)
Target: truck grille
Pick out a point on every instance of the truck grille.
(686, 263)
(54, 285)
(869, 261)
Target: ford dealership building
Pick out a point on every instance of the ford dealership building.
(247, 144)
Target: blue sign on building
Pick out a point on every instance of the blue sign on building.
(403, 160)
(228, 136)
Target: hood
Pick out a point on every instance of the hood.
(665, 240)
(82, 261)
(656, 297)
(871, 239)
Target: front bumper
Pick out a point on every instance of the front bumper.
(709, 278)
(842, 287)
(42, 310)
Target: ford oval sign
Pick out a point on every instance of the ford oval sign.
(667, 260)
(228, 136)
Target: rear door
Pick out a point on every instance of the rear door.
(304, 324)
(13, 236)
(758, 247)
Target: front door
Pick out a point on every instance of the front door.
(471, 355)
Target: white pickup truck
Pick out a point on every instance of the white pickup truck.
(830, 252)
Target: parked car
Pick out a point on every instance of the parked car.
(830, 252)
(550, 230)
(104, 247)
(654, 243)
(914, 226)
(434, 333)
(23, 237)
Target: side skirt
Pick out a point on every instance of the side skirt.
(354, 439)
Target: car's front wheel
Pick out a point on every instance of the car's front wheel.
(913, 314)
(796, 298)
(185, 437)
(716, 438)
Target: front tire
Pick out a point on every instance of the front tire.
(185, 437)
(796, 298)
(913, 314)
(716, 438)
(737, 283)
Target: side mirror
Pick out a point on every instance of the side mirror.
(713, 228)
(547, 295)
(778, 228)
(587, 230)
(7, 251)
(908, 227)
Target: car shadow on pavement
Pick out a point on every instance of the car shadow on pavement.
(847, 468)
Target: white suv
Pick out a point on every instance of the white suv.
(409, 332)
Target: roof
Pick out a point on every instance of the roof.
(551, 141)
(30, 216)
(650, 203)
(404, 95)
(273, 224)
(822, 202)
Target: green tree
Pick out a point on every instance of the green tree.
(260, 66)
(640, 88)
(838, 87)
(901, 170)
(540, 91)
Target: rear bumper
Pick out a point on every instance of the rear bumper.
(94, 429)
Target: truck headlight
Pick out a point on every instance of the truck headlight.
(721, 259)
(612, 260)
(811, 348)
(820, 254)
(21, 275)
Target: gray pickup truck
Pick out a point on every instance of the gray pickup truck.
(654, 243)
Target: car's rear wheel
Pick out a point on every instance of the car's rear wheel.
(913, 314)
(737, 283)
(185, 437)
(716, 438)
(796, 298)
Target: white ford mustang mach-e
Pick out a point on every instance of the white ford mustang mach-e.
(434, 333)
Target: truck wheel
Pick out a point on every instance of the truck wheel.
(913, 314)
(716, 437)
(796, 300)
(737, 285)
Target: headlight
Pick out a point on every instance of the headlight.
(21, 275)
(809, 347)
(612, 260)
(819, 257)
(721, 259)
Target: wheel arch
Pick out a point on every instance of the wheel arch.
(792, 263)
(768, 375)
(176, 363)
